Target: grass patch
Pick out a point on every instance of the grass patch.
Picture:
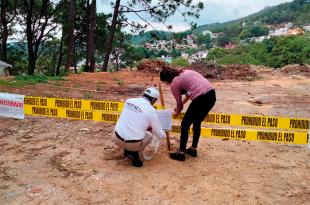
(101, 82)
(119, 81)
(88, 95)
(76, 85)
(37, 78)
(23, 80)
(12, 83)
(98, 87)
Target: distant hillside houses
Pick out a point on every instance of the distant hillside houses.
(287, 29)
(161, 45)
(213, 35)
(200, 55)
(307, 27)
(168, 45)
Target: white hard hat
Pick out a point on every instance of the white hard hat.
(152, 92)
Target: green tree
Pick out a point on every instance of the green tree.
(180, 62)
(40, 20)
(8, 10)
(175, 53)
(158, 10)
(216, 53)
(204, 40)
(223, 40)
(254, 31)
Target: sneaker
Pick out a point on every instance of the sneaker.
(191, 152)
(177, 156)
(134, 157)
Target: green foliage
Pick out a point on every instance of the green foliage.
(23, 80)
(180, 62)
(148, 36)
(223, 40)
(296, 11)
(118, 81)
(37, 78)
(17, 57)
(161, 53)
(175, 53)
(275, 52)
(254, 31)
(217, 53)
(191, 51)
(88, 95)
(203, 40)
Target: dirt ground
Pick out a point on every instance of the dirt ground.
(60, 161)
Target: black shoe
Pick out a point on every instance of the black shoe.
(177, 156)
(191, 152)
(134, 157)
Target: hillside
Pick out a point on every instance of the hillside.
(148, 36)
(297, 11)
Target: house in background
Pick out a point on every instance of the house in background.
(307, 27)
(230, 46)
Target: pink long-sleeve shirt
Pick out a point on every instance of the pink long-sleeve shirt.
(191, 83)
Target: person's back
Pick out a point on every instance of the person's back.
(135, 119)
(136, 125)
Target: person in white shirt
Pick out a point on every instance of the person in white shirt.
(137, 124)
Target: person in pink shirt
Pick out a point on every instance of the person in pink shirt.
(202, 95)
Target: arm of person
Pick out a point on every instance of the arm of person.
(156, 126)
(185, 100)
(176, 92)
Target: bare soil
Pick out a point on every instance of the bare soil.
(61, 161)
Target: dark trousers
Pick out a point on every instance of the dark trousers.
(195, 114)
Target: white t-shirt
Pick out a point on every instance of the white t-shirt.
(137, 116)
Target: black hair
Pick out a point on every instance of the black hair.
(168, 74)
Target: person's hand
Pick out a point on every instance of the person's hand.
(175, 112)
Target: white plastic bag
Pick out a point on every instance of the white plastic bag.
(150, 151)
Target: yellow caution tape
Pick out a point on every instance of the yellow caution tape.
(300, 124)
(241, 134)
(95, 115)
(107, 116)
(83, 105)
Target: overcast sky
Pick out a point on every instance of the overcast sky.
(214, 11)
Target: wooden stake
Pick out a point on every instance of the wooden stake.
(162, 102)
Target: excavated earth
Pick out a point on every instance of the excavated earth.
(61, 161)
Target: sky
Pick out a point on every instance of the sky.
(214, 11)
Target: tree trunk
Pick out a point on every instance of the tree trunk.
(60, 55)
(90, 42)
(74, 60)
(70, 37)
(5, 32)
(87, 36)
(31, 56)
(111, 36)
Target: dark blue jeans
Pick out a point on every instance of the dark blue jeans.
(195, 114)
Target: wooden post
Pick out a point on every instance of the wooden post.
(162, 103)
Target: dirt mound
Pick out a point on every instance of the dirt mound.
(213, 71)
(295, 69)
(236, 71)
(151, 66)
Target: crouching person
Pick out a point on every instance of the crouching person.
(137, 124)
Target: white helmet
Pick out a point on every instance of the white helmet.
(152, 92)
